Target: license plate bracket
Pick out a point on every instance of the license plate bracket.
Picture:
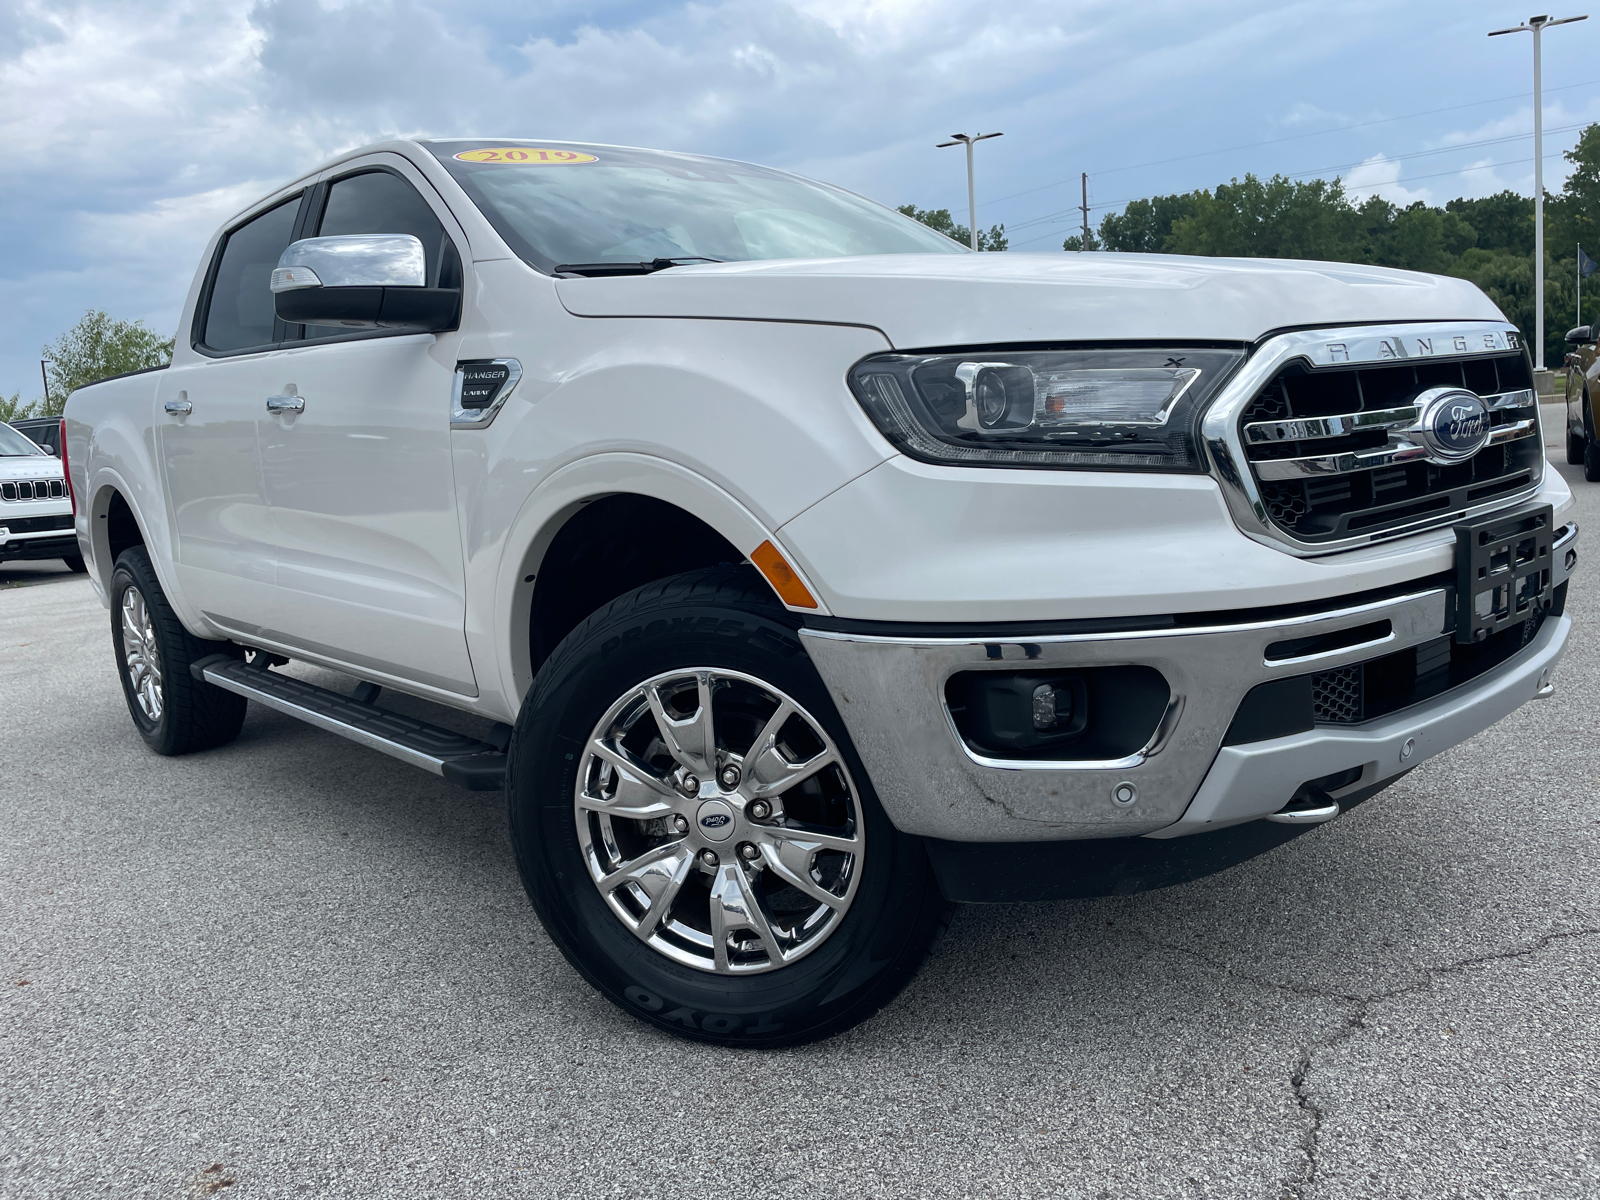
(1503, 573)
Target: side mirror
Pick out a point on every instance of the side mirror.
(362, 281)
(1581, 336)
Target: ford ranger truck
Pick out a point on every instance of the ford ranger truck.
(805, 572)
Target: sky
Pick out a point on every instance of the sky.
(131, 130)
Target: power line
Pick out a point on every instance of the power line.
(1514, 162)
(1294, 137)
(1318, 171)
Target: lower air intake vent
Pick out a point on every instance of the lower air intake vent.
(1336, 696)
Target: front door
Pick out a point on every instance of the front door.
(207, 408)
(357, 470)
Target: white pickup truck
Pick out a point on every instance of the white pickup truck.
(814, 572)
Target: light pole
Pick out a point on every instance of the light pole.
(1536, 26)
(969, 141)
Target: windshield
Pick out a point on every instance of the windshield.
(566, 204)
(13, 444)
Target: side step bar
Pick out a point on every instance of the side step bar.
(477, 766)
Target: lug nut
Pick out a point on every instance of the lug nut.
(690, 786)
(709, 857)
(680, 822)
(759, 810)
(729, 777)
(748, 851)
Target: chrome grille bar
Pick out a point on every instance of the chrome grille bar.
(1309, 429)
(1396, 452)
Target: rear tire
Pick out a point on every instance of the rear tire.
(1574, 448)
(768, 985)
(1591, 462)
(75, 564)
(173, 712)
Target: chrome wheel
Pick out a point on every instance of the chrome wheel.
(141, 657)
(718, 821)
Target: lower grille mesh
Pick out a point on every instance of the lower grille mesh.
(1336, 696)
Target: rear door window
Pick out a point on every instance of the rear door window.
(240, 313)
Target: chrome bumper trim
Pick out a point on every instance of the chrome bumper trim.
(1251, 781)
(890, 692)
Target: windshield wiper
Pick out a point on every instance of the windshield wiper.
(600, 269)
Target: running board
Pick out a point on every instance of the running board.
(477, 766)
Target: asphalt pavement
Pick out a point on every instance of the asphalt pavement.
(293, 967)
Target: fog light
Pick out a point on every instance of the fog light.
(1052, 706)
(1073, 714)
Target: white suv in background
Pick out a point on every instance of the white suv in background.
(35, 511)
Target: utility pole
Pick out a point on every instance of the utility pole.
(44, 376)
(1085, 210)
(1536, 26)
(969, 141)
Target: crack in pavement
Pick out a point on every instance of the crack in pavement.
(1300, 1182)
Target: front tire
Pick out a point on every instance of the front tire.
(1574, 448)
(75, 564)
(1591, 462)
(696, 831)
(173, 712)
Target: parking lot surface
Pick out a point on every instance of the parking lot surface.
(295, 967)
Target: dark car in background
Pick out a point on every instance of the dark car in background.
(1583, 380)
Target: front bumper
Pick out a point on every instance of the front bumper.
(36, 546)
(890, 691)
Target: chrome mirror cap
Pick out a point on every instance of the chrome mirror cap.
(352, 260)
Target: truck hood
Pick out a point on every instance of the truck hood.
(926, 300)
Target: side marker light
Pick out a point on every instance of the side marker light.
(781, 576)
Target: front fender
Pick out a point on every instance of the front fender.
(553, 502)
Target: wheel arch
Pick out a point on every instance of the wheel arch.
(696, 524)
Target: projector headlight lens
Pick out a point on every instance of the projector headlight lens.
(1134, 409)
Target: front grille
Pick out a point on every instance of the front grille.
(32, 489)
(36, 524)
(1330, 454)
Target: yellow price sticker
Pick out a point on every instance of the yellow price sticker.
(526, 156)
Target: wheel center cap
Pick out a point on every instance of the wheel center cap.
(715, 820)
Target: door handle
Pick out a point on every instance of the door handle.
(179, 408)
(286, 404)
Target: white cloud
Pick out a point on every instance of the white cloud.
(1380, 176)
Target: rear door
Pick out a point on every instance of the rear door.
(359, 485)
(207, 409)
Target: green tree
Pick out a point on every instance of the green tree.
(1278, 218)
(12, 408)
(1503, 221)
(96, 348)
(940, 220)
(1144, 225)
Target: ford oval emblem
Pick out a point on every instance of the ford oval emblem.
(1452, 424)
(715, 820)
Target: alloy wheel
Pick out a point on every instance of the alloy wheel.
(141, 656)
(718, 821)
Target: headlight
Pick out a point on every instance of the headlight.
(1073, 409)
